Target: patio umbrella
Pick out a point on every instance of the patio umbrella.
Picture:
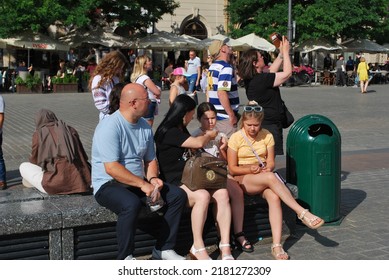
(77, 37)
(321, 44)
(36, 41)
(236, 45)
(166, 41)
(364, 45)
(29, 40)
(257, 42)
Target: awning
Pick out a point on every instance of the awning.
(364, 45)
(100, 37)
(29, 40)
(257, 42)
(321, 44)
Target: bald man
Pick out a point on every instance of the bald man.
(125, 172)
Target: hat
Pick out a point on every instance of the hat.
(216, 45)
(180, 71)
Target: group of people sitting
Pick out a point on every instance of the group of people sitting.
(129, 164)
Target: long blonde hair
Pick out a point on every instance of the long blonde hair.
(139, 67)
(108, 68)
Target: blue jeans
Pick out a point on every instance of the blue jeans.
(126, 202)
(2, 164)
(192, 86)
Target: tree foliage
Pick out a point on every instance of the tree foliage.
(38, 15)
(331, 19)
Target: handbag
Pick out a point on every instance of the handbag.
(287, 118)
(204, 171)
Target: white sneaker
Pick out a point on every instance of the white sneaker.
(166, 255)
(130, 258)
(355, 86)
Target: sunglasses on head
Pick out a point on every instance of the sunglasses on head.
(255, 108)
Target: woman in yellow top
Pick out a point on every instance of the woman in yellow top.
(255, 179)
(363, 73)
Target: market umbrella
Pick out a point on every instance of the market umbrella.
(257, 42)
(236, 45)
(36, 41)
(78, 37)
(30, 40)
(166, 41)
(364, 45)
(312, 45)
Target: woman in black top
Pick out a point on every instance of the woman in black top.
(173, 142)
(264, 87)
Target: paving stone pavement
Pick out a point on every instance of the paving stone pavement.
(362, 120)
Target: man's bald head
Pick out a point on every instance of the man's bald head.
(134, 102)
(132, 91)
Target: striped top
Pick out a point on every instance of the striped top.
(221, 76)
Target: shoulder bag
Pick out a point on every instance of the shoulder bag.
(204, 171)
(261, 164)
(287, 118)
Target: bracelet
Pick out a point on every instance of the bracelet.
(152, 179)
(281, 56)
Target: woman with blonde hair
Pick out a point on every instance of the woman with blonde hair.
(139, 75)
(251, 160)
(363, 74)
(108, 72)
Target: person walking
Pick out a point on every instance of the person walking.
(178, 78)
(109, 71)
(125, 173)
(363, 73)
(341, 72)
(143, 64)
(224, 93)
(193, 68)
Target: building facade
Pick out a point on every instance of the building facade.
(201, 18)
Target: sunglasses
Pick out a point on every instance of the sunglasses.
(256, 108)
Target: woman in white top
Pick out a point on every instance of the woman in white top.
(178, 78)
(143, 64)
(108, 72)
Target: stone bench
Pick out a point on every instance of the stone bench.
(38, 226)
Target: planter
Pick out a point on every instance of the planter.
(65, 87)
(25, 89)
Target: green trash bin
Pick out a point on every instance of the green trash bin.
(313, 163)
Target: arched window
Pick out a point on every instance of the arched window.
(195, 28)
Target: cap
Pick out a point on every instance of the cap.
(216, 45)
(180, 71)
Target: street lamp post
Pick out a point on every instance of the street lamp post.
(290, 27)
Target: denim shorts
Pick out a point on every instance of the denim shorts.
(151, 111)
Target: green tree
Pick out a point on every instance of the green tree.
(330, 19)
(38, 15)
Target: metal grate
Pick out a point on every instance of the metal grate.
(28, 246)
(99, 241)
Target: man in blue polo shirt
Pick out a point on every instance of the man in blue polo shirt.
(125, 172)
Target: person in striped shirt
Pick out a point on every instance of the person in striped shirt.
(223, 92)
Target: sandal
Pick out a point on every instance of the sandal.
(278, 255)
(193, 251)
(246, 246)
(310, 222)
(226, 257)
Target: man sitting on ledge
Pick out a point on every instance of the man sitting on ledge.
(123, 158)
